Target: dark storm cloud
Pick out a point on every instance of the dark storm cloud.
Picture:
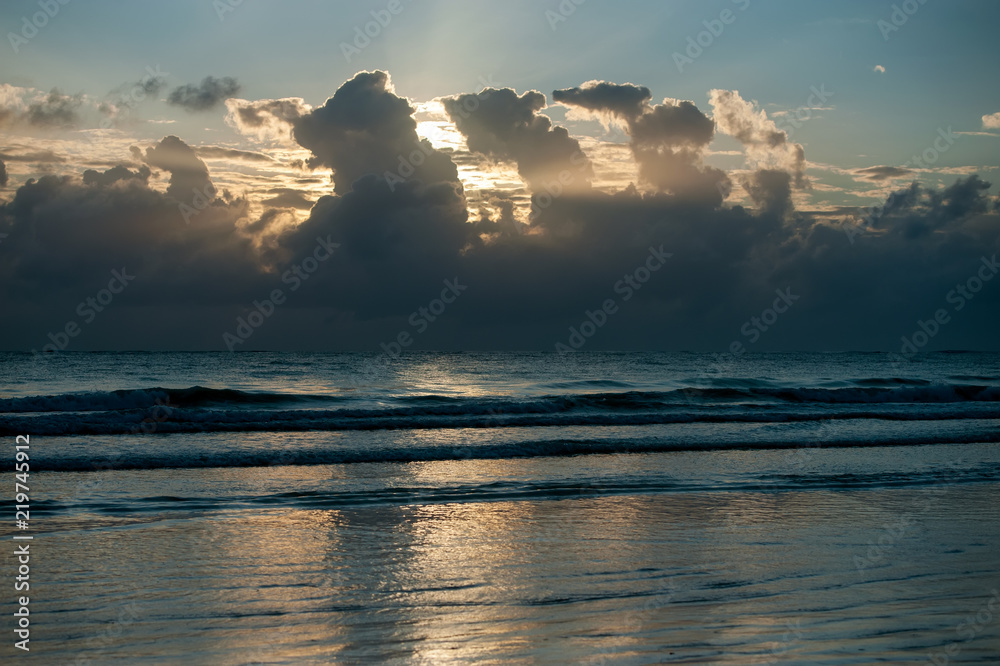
(880, 173)
(55, 110)
(667, 139)
(504, 126)
(399, 241)
(771, 192)
(917, 211)
(207, 95)
(66, 235)
(366, 129)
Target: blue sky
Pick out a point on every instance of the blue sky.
(939, 64)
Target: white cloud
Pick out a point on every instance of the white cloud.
(880, 69)
(764, 144)
(992, 121)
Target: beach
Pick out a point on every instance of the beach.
(478, 541)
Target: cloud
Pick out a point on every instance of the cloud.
(526, 286)
(114, 175)
(38, 157)
(265, 120)
(207, 95)
(123, 98)
(217, 152)
(992, 121)
(766, 146)
(366, 129)
(12, 103)
(608, 101)
(880, 173)
(54, 110)
(668, 140)
(66, 234)
(4, 178)
(288, 198)
(879, 69)
(503, 126)
(188, 174)
(34, 109)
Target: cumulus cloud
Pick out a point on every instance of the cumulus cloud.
(610, 102)
(400, 240)
(66, 234)
(55, 110)
(114, 175)
(503, 126)
(52, 110)
(366, 129)
(879, 69)
(992, 121)
(205, 96)
(265, 120)
(188, 174)
(34, 109)
(668, 140)
(765, 145)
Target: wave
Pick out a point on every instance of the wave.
(532, 415)
(150, 397)
(868, 391)
(560, 447)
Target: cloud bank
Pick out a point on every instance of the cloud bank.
(397, 212)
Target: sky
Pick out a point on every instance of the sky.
(728, 176)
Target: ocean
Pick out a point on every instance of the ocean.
(627, 508)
